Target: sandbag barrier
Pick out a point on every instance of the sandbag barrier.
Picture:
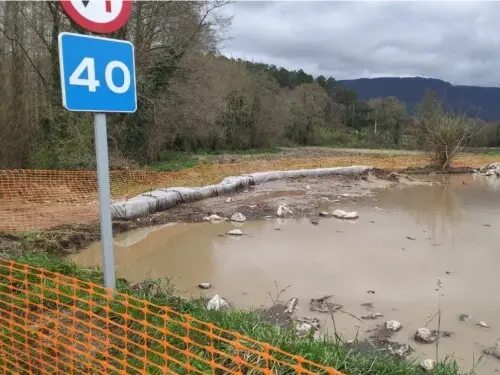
(162, 199)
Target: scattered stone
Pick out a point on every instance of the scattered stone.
(450, 272)
(399, 350)
(489, 167)
(411, 238)
(324, 214)
(235, 232)
(238, 217)
(482, 324)
(393, 325)
(372, 316)
(345, 195)
(464, 318)
(277, 228)
(367, 305)
(371, 292)
(252, 206)
(323, 306)
(307, 325)
(291, 305)
(372, 221)
(486, 225)
(314, 222)
(229, 200)
(308, 187)
(283, 210)
(425, 335)
(341, 214)
(214, 218)
(204, 285)
(245, 191)
(217, 303)
(428, 364)
(379, 338)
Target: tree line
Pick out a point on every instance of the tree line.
(191, 97)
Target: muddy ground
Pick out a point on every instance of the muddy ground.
(305, 196)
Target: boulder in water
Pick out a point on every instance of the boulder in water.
(341, 214)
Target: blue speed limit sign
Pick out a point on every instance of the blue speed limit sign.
(97, 74)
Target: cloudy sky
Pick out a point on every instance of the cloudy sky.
(457, 41)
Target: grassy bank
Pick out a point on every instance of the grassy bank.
(324, 352)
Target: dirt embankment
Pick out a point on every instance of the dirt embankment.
(305, 196)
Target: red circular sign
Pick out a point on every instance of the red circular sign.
(98, 16)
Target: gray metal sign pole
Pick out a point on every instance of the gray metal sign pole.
(101, 147)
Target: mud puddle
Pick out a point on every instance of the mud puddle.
(388, 261)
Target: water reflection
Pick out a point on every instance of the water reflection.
(441, 210)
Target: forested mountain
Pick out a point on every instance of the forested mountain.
(482, 102)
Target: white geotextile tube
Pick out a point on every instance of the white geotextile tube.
(163, 199)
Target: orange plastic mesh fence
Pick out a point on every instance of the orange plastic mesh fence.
(40, 199)
(53, 324)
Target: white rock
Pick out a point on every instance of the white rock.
(283, 210)
(428, 364)
(489, 167)
(308, 187)
(303, 328)
(425, 335)
(204, 285)
(341, 214)
(393, 325)
(229, 200)
(304, 325)
(324, 214)
(483, 324)
(235, 232)
(489, 173)
(345, 195)
(497, 172)
(238, 217)
(214, 218)
(291, 305)
(217, 303)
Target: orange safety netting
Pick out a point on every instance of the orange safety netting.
(40, 199)
(53, 324)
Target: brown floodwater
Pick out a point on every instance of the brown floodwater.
(404, 240)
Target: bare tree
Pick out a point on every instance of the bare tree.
(444, 134)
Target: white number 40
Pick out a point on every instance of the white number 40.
(88, 64)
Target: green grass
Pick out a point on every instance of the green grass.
(177, 161)
(175, 345)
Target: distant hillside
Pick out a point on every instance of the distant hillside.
(483, 102)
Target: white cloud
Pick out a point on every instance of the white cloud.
(458, 41)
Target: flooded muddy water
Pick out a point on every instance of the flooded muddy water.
(392, 256)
